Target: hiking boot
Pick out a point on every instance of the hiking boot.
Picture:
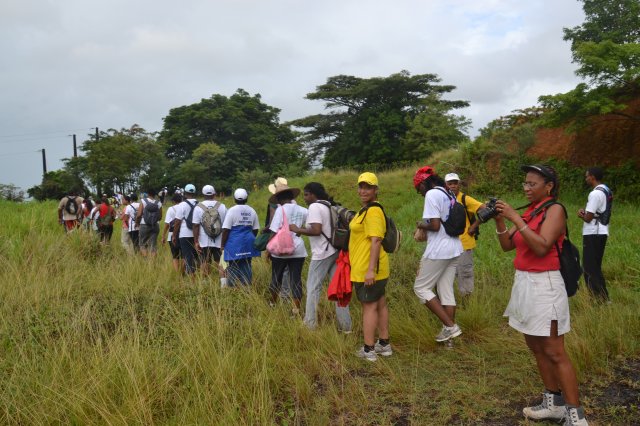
(552, 407)
(369, 356)
(574, 416)
(383, 350)
(448, 333)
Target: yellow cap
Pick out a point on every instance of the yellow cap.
(368, 178)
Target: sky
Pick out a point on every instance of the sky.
(68, 66)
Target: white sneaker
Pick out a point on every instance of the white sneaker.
(369, 356)
(575, 416)
(448, 333)
(383, 350)
(552, 407)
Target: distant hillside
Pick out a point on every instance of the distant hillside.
(609, 140)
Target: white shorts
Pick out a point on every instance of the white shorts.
(436, 274)
(537, 298)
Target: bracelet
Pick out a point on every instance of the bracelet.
(502, 232)
(523, 228)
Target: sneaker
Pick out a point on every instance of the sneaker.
(448, 333)
(383, 350)
(369, 356)
(574, 416)
(552, 407)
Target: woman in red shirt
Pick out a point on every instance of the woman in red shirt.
(539, 306)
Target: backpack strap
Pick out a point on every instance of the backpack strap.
(452, 199)
(331, 220)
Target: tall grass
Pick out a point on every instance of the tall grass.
(89, 335)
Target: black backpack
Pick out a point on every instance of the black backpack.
(340, 218)
(151, 212)
(392, 236)
(568, 254)
(605, 216)
(189, 218)
(456, 223)
(71, 207)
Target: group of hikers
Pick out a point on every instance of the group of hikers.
(205, 234)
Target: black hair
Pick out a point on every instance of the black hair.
(134, 197)
(284, 196)
(127, 198)
(318, 190)
(152, 192)
(596, 172)
(176, 198)
(435, 180)
(549, 175)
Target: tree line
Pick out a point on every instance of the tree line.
(240, 141)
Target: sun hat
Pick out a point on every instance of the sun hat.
(278, 182)
(240, 194)
(279, 189)
(190, 188)
(368, 178)
(208, 190)
(421, 174)
(451, 176)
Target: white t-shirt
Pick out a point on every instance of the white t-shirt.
(440, 245)
(203, 239)
(241, 215)
(144, 203)
(94, 215)
(171, 214)
(596, 204)
(295, 215)
(132, 211)
(182, 212)
(63, 205)
(320, 246)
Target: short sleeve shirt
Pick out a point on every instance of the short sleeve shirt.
(320, 246)
(472, 206)
(203, 239)
(182, 212)
(363, 227)
(296, 215)
(171, 214)
(144, 203)
(132, 211)
(596, 203)
(440, 245)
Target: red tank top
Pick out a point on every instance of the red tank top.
(526, 259)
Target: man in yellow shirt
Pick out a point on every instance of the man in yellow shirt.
(464, 270)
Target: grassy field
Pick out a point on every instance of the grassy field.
(89, 335)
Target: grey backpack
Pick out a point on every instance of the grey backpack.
(211, 221)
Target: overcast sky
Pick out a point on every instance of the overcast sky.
(67, 66)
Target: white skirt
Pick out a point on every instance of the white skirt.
(537, 298)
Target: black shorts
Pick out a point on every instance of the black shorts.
(370, 293)
(209, 253)
(175, 250)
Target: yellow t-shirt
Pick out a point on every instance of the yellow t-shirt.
(468, 242)
(373, 225)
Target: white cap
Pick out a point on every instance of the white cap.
(208, 190)
(240, 194)
(190, 188)
(451, 176)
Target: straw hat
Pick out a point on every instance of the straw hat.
(279, 182)
(279, 189)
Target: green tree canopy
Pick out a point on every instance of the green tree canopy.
(57, 184)
(369, 118)
(236, 133)
(606, 48)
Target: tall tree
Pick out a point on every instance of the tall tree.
(246, 131)
(606, 48)
(369, 118)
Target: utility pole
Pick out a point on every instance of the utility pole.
(44, 163)
(97, 135)
(75, 147)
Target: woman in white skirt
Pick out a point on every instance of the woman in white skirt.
(539, 307)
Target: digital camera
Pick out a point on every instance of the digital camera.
(488, 212)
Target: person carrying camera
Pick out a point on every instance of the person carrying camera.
(464, 270)
(539, 306)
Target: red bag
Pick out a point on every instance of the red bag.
(340, 287)
(281, 244)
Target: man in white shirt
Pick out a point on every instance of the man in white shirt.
(208, 247)
(440, 259)
(595, 231)
(130, 214)
(323, 254)
(183, 231)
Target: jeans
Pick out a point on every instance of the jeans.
(278, 266)
(592, 254)
(318, 271)
(239, 272)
